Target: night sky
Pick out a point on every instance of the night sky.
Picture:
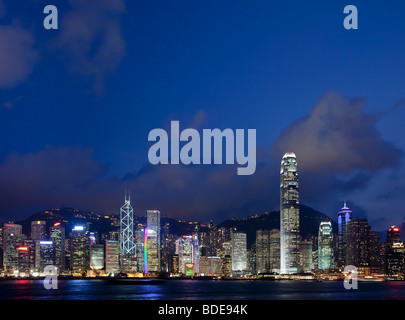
(77, 105)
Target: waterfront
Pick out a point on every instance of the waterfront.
(201, 290)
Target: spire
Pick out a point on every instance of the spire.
(345, 204)
(129, 195)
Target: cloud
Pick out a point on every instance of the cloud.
(17, 54)
(337, 136)
(92, 39)
(58, 176)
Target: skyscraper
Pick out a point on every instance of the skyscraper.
(9, 229)
(325, 246)
(357, 242)
(262, 251)
(58, 239)
(186, 252)
(112, 262)
(152, 241)
(38, 230)
(79, 251)
(97, 257)
(344, 216)
(289, 215)
(127, 227)
(394, 253)
(45, 254)
(306, 262)
(275, 250)
(239, 252)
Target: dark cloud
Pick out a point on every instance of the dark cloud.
(338, 149)
(91, 37)
(17, 54)
(337, 137)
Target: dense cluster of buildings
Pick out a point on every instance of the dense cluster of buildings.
(149, 249)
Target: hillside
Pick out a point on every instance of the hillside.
(309, 223)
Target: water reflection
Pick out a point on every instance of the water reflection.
(198, 289)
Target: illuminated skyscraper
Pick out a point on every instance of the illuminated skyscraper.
(45, 254)
(112, 260)
(358, 232)
(306, 263)
(275, 250)
(79, 251)
(9, 229)
(58, 238)
(186, 252)
(262, 251)
(344, 216)
(394, 253)
(152, 247)
(239, 252)
(127, 227)
(289, 215)
(38, 230)
(97, 256)
(325, 246)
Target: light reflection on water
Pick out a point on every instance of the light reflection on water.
(200, 290)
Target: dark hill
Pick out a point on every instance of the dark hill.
(309, 223)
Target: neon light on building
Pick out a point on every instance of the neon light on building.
(145, 250)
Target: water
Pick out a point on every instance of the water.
(201, 290)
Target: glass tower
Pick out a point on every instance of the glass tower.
(127, 227)
(152, 248)
(239, 251)
(344, 217)
(289, 215)
(325, 246)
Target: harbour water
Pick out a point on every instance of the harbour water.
(84, 289)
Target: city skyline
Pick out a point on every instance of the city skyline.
(77, 104)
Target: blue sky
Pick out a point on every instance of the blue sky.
(77, 104)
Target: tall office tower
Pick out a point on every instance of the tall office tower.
(305, 260)
(357, 242)
(112, 257)
(289, 215)
(226, 266)
(153, 241)
(344, 216)
(325, 246)
(58, 239)
(45, 254)
(38, 230)
(23, 260)
(239, 252)
(213, 239)
(9, 229)
(224, 235)
(139, 246)
(129, 263)
(196, 251)
(79, 257)
(30, 245)
(127, 227)
(186, 252)
(275, 250)
(11, 255)
(394, 253)
(96, 257)
(374, 248)
(173, 264)
(251, 258)
(262, 251)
